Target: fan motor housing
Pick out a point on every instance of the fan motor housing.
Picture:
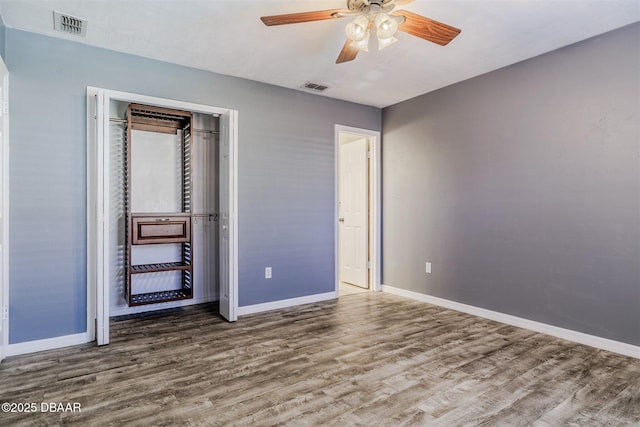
(356, 5)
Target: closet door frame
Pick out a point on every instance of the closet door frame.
(98, 201)
(4, 211)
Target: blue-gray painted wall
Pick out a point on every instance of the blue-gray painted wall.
(286, 176)
(522, 187)
(3, 31)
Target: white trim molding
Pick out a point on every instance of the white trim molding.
(47, 344)
(4, 213)
(291, 302)
(567, 334)
(375, 203)
(98, 201)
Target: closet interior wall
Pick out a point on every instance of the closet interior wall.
(204, 225)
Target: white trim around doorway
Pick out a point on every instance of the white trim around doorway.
(98, 201)
(4, 181)
(375, 229)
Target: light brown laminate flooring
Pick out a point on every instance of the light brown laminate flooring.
(368, 359)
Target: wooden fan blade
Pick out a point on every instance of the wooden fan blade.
(348, 53)
(426, 28)
(294, 18)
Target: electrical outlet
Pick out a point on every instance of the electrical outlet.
(267, 273)
(428, 267)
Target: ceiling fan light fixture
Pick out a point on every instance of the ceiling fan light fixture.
(378, 16)
(358, 30)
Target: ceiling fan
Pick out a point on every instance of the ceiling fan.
(373, 14)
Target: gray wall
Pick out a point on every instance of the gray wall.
(522, 187)
(3, 31)
(286, 176)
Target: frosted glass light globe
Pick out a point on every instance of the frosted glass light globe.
(385, 26)
(357, 30)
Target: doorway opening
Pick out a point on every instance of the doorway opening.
(212, 179)
(357, 210)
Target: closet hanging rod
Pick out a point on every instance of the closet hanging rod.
(210, 216)
(193, 130)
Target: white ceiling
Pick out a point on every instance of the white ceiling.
(227, 37)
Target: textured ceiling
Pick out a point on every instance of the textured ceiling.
(227, 37)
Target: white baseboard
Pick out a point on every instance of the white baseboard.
(567, 334)
(47, 344)
(274, 305)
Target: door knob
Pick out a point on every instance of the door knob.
(341, 219)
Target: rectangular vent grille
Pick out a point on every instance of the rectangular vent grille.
(315, 86)
(69, 24)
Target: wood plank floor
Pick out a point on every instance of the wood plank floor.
(362, 360)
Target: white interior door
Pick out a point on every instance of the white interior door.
(99, 256)
(4, 210)
(353, 203)
(227, 223)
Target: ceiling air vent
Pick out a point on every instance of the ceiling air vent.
(315, 86)
(69, 24)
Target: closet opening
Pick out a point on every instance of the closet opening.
(161, 207)
(164, 204)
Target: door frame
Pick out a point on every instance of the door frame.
(4, 181)
(375, 276)
(98, 200)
